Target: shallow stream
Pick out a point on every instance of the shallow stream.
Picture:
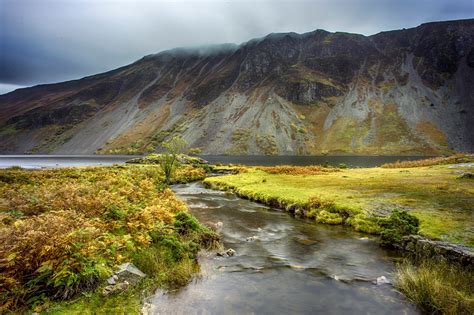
(282, 265)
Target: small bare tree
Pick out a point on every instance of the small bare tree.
(169, 157)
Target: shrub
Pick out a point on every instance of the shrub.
(397, 225)
(12, 176)
(316, 202)
(168, 159)
(185, 223)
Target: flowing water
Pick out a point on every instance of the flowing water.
(289, 266)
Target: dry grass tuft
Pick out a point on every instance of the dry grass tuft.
(437, 287)
(453, 159)
(297, 170)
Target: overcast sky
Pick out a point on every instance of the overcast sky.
(44, 41)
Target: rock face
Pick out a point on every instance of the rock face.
(400, 92)
(423, 247)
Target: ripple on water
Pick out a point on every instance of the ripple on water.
(291, 266)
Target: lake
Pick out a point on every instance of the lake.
(50, 161)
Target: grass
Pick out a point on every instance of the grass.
(453, 159)
(441, 201)
(437, 287)
(297, 170)
(64, 231)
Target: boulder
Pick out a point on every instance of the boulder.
(128, 272)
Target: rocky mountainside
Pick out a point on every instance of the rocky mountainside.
(408, 91)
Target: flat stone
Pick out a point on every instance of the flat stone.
(128, 272)
(111, 289)
(228, 253)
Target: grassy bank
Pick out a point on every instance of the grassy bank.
(435, 195)
(429, 197)
(64, 231)
(437, 287)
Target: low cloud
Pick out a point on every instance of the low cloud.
(55, 40)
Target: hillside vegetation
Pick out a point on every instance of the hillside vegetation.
(64, 231)
(401, 92)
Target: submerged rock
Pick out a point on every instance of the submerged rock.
(228, 253)
(382, 280)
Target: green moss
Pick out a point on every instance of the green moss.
(363, 223)
(329, 218)
(434, 195)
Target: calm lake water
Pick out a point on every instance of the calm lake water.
(39, 161)
(353, 161)
(292, 267)
(48, 161)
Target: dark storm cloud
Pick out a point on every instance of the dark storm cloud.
(45, 41)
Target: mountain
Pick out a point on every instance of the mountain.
(408, 91)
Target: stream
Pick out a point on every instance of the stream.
(288, 266)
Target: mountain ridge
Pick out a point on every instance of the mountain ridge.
(395, 92)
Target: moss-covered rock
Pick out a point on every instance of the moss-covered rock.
(328, 217)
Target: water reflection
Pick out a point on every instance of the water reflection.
(282, 265)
